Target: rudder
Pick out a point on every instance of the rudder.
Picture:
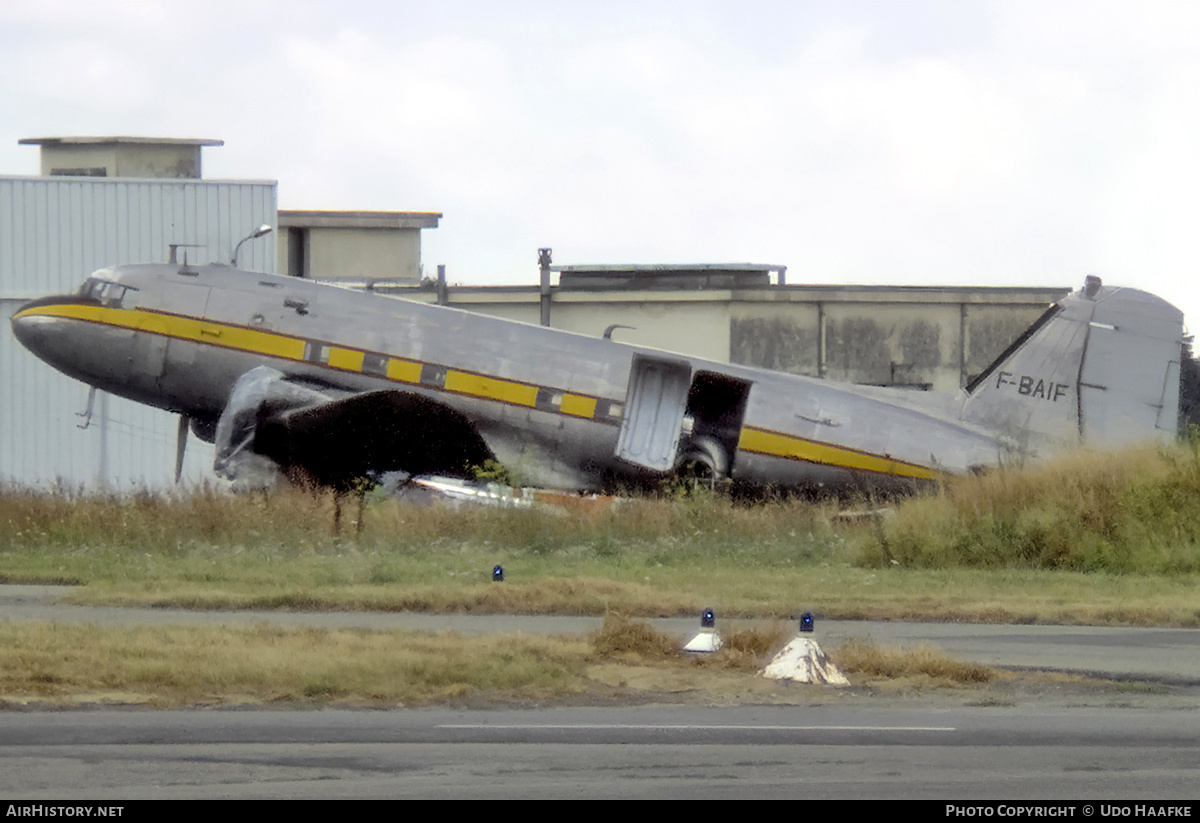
(1100, 367)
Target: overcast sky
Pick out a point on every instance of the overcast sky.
(867, 141)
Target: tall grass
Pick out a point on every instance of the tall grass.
(298, 522)
(1132, 511)
(208, 549)
(1087, 538)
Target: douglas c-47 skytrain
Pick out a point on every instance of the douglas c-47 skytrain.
(332, 385)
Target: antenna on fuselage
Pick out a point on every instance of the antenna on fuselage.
(175, 247)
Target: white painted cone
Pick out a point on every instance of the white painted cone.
(803, 662)
(707, 641)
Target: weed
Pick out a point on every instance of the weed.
(621, 638)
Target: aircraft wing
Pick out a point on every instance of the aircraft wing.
(274, 423)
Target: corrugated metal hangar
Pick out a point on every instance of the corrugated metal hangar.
(104, 201)
(57, 229)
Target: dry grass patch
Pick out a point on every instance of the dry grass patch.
(748, 650)
(625, 660)
(633, 641)
(177, 666)
(68, 664)
(867, 658)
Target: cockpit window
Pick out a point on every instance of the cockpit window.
(108, 293)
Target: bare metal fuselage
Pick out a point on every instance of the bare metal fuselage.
(559, 409)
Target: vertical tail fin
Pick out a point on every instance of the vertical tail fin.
(1101, 367)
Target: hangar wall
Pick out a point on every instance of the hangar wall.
(54, 231)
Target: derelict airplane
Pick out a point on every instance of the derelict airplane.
(333, 384)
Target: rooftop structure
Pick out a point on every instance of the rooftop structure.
(353, 245)
(118, 156)
(669, 276)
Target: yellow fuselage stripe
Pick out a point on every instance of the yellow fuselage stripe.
(275, 344)
(776, 444)
(491, 388)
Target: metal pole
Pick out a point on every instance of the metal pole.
(102, 468)
(821, 370)
(544, 265)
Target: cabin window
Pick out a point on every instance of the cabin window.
(433, 375)
(374, 363)
(315, 352)
(108, 293)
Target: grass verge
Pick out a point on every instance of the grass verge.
(183, 666)
(57, 664)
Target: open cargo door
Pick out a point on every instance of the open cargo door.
(655, 402)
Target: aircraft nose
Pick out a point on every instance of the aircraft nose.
(24, 327)
(39, 330)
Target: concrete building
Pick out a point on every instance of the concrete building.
(148, 157)
(354, 245)
(923, 337)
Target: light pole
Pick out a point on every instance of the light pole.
(259, 232)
